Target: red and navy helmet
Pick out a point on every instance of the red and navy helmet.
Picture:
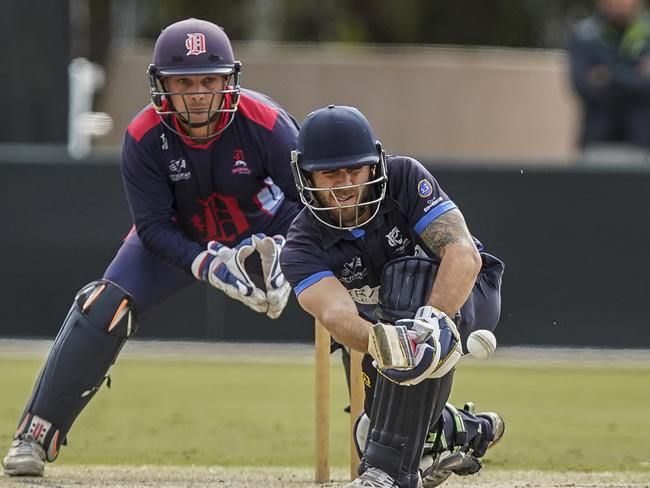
(337, 137)
(194, 47)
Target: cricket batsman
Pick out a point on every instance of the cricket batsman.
(383, 258)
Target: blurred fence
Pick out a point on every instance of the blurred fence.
(574, 242)
(470, 103)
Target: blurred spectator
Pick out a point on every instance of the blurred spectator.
(610, 71)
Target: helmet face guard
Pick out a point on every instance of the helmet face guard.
(194, 47)
(369, 195)
(222, 115)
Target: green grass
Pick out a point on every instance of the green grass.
(208, 412)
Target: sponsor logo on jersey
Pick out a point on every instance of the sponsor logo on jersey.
(365, 295)
(178, 170)
(195, 43)
(432, 202)
(163, 142)
(425, 189)
(354, 270)
(397, 241)
(239, 166)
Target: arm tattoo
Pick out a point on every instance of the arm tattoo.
(447, 229)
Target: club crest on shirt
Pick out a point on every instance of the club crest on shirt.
(220, 219)
(239, 166)
(354, 270)
(397, 241)
(178, 170)
(425, 188)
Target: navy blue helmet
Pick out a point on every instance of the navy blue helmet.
(332, 138)
(194, 47)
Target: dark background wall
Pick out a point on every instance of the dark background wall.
(34, 57)
(574, 242)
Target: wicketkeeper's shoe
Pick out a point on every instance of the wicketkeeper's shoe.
(26, 457)
(373, 478)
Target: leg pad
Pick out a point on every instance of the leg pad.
(93, 333)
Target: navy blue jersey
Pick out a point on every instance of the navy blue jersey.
(356, 258)
(183, 194)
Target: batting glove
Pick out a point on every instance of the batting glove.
(426, 346)
(223, 268)
(404, 355)
(448, 337)
(278, 288)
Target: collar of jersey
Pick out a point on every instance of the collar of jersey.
(191, 142)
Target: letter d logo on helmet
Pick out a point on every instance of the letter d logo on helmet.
(195, 43)
(333, 138)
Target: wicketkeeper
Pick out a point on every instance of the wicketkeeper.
(384, 260)
(208, 181)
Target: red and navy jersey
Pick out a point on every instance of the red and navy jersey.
(183, 194)
(356, 258)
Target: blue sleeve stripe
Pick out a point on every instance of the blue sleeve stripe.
(310, 280)
(433, 214)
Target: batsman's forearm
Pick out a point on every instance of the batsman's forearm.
(455, 279)
(347, 328)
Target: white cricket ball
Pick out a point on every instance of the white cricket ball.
(481, 344)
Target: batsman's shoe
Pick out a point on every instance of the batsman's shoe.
(435, 472)
(498, 426)
(26, 457)
(496, 422)
(375, 478)
(431, 475)
(448, 463)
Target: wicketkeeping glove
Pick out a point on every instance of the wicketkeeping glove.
(278, 288)
(223, 268)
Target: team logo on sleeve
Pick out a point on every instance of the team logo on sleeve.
(425, 188)
(195, 43)
(432, 203)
